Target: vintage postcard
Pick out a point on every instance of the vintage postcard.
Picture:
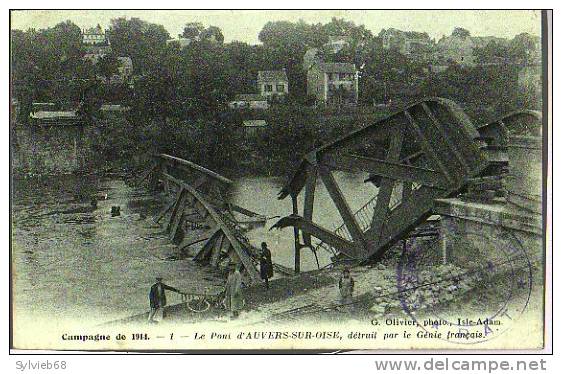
(279, 180)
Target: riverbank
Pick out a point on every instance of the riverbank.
(380, 295)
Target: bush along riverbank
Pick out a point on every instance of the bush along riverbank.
(222, 142)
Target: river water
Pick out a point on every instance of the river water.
(73, 262)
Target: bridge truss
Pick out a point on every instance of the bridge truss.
(201, 198)
(425, 151)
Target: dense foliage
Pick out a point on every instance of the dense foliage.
(179, 95)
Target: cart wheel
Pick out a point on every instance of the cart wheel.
(198, 305)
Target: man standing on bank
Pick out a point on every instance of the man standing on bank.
(346, 285)
(266, 265)
(157, 298)
(234, 300)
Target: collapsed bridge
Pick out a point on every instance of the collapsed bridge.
(200, 199)
(426, 151)
(429, 150)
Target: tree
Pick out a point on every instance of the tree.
(47, 63)
(245, 60)
(492, 52)
(356, 35)
(192, 30)
(525, 48)
(212, 33)
(460, 32)
(108, 66)
(90, 100)
(207, 69)
(522, 49)
(142, 41)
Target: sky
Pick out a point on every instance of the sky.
(245, 25)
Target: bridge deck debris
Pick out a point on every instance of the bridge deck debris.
(200, 198)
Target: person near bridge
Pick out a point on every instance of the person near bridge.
(157, 299)
(234, 300)
(266, 265)
(346, 286)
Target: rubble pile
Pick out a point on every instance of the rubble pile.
(424, 289)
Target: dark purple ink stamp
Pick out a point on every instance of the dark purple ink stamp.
(473, 293)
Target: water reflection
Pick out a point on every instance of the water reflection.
(260, 195)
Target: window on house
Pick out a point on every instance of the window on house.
(268, 87)
(280, 88)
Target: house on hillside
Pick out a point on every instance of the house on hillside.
(94, 35)
(333, 82)
(460, 48)
(273, 84)
(336, 43)
(249, 101)
(96, 40)
(408, 43)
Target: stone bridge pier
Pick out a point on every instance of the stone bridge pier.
(505, 216)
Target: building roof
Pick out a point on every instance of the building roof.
(48, 118)
(249, 97)
(182, 42)
(471, 41)
(113, 108)
(94, 30)
(43, 114)
(408, 34)
(337, 67)
(42, 106)
(272, 75)
(254, 123)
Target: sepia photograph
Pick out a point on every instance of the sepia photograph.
(279, 180)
